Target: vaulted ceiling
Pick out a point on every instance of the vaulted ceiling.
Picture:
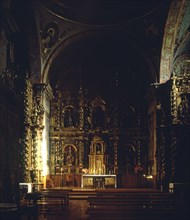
(101, 12)
(126, 54)
(124, 51)
(99, 63)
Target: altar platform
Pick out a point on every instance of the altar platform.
(98, 181)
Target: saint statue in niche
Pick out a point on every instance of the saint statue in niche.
(98, 148)
(70, 117)
(69, 156)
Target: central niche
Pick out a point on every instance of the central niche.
(70, 155)
(70, 117)
(98, 160)
(98, 113)
(98, 117)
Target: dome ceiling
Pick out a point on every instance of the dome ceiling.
(126, 55)
(101, 12)
(110, 58)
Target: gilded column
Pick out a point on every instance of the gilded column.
(36, 129)
(81, 152)
(40, 126)
(26, 140)
(175, 121)
(116, 138)
(81, 109)
(174, 100)
(116, 156)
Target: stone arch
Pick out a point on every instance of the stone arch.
(170, 37)
(89, 33)
(60, 47)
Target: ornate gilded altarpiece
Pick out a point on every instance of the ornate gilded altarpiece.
(86, 138)
(79, 133)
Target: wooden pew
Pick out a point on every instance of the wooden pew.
(144, 205)
(54, 201)
(131, 202)
(123, 192)
(117, 213)
(134, 199)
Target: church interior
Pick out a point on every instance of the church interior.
(94, 95)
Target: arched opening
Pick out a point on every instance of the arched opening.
(99, 89)
(98, 117)
(69, 156)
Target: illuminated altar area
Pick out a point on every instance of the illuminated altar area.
(98, 163)
(86, 144)
(81, 144)
(98, 181)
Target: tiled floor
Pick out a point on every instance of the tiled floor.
(75, 211)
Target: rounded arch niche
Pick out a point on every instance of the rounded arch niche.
(69, 155)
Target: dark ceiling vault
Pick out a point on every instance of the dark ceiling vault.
(124, 50)
(100, 62)
(102, 12)
(127, 56)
